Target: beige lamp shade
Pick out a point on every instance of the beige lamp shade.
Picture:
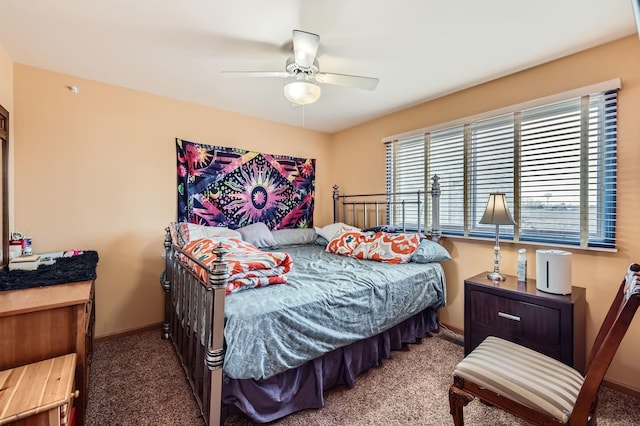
(497, 211)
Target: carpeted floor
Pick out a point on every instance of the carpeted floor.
(137, 380)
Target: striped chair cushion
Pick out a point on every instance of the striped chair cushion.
(523, 375)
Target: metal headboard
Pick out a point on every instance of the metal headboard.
(366, 210)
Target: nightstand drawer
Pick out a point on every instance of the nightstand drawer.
(508, 317)
(517, 311)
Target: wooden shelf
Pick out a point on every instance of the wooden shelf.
(45, 322)
(39, 393)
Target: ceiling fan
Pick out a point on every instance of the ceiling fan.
(304, 69)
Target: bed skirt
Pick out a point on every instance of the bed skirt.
(302, 388)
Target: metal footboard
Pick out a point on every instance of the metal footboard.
(194, 320)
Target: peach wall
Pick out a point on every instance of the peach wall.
(96, 170)
(599, 272)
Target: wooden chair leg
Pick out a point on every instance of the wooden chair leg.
(592, 420)
(458, 399)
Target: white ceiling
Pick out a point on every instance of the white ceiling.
(419, 49)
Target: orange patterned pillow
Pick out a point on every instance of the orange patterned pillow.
(381, 246)
(345, 241)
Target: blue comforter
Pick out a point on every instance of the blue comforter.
(328, 302)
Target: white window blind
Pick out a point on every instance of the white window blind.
(491, 167)
(406, 177)
(550, 172)
(446, 159)
(556, 163)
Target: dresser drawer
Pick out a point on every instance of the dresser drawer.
(38, 394)
(538, 325)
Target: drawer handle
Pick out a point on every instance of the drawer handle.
(508, 316)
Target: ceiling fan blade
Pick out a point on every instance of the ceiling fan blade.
(359, 82)
(256, 73)
(305, 47)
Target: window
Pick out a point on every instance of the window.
(405, 175)
(554, 158)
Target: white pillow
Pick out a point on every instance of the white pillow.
(202, 231)
(330, 231)
(285, 237)
(257, 234)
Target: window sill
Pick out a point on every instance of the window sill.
(530, 243)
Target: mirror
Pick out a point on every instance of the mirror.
(4, 173)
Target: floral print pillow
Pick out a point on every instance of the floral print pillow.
(380, 246)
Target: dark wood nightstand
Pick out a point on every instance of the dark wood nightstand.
(548, 323)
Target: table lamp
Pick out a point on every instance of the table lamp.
(497, 213)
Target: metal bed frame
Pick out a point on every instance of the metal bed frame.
(194, 308)
(360, 208)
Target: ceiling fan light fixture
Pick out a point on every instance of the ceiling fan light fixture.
(302, 92)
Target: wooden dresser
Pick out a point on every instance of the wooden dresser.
(45, 322)
(548, 323)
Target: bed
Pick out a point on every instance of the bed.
(272, 351)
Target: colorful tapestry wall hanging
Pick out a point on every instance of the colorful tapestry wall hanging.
(231, 187)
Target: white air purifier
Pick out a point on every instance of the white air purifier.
(553, 271)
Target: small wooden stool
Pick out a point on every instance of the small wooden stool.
(38, 394)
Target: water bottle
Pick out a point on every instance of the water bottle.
(26, 246)
(522, 265)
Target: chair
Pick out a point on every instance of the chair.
(536, 387)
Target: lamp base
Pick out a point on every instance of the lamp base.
(496, 276)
